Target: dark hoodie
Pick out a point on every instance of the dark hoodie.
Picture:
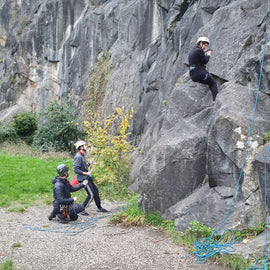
(197, 61)
(61, 192)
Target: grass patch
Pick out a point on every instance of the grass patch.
(133, 215)
(17, 209)
(16, 245)
(7, 265)
(26, 179)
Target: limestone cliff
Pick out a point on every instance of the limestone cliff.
(191, 151)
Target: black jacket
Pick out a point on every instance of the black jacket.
(197, 64)
(61, 191)
(197, 57)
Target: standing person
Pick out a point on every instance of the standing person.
(80, 167)
(62, 197)
(198, 59)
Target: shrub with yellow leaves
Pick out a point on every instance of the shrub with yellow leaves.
(109, 145)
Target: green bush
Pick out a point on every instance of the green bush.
(58, 128)
(8, 133)
(25, 123)
(199, 230)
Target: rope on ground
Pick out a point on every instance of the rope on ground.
(75, 227)
(72, 228)
(207, 247)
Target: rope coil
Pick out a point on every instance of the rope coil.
(207, 247)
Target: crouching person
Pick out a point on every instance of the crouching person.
(64, 208)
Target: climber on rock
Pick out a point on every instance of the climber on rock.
(198, 59)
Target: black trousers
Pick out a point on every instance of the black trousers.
(92, 193)
(74, 210)
(202, 76)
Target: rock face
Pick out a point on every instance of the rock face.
(262, 164)
(191, 152)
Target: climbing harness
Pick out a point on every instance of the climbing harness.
(206, 76)
(65, 209)
(192, 67)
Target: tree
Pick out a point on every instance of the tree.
(58, 128)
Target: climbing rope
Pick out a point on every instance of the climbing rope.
(207, 247)
(75, 227)
(72, 228)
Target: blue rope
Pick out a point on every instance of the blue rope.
(207, 247)
(71, 229)
(212, 246)
(260, 264)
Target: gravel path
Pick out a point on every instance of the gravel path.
(102, 246)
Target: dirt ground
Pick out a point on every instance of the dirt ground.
(31, 241)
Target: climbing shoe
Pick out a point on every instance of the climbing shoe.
(83, 213)
(61, 218)
(102, 210)
(51, 216)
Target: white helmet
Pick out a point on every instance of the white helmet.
(79, 143)
(203, 40)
